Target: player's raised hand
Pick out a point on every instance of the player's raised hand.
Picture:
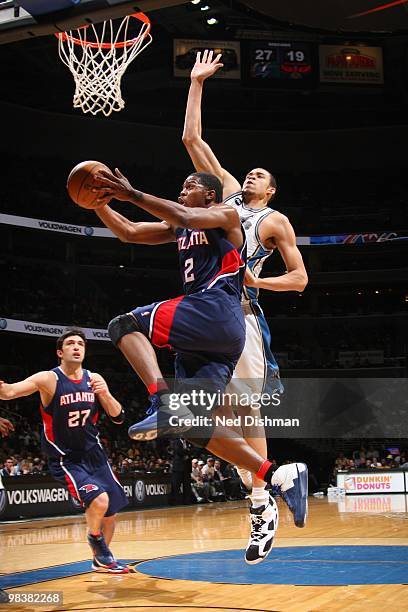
(206, 66)
(112, 186)
(5, 426)
(99, 386)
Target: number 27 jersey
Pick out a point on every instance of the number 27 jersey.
(69, 421)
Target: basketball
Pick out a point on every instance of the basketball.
(80, 182)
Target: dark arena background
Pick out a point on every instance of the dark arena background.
(317, 93)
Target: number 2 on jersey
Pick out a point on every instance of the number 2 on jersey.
(188, 270)
(73, 417)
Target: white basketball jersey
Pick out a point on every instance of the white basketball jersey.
(256, 252)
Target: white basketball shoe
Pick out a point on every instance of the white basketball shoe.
(264, 523)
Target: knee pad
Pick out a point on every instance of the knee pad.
(121, 326)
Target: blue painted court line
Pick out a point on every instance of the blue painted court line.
(9, 581)
(300, 565)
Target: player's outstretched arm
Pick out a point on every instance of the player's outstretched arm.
(175, 214)
(295, 279)
(111, 406)
(42, 382)
(6, 427)
(139, 233)
(200, 152)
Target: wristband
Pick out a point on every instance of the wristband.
(119, 418)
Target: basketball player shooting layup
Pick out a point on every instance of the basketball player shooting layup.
(71, 398)
(205, 326)
(266, 229)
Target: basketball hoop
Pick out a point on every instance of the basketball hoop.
(98, 58)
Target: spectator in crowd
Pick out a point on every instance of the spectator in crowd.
(340, 458)
(125, 466)
(208, 472)
(38, 465)
(181, 471)
(232, 482)
(218, 475)
(209, 469)
(372, 453)
(9, 468)
(200, 489)
(25, 467)
(229, 478)
(219, 479)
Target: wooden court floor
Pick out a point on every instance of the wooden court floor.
(217, 527)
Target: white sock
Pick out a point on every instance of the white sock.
(259, 497)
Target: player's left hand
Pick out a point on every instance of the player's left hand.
(112, 186)
(250, 280)
(99, 386)
(6, 427)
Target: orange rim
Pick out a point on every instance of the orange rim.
(119, 45)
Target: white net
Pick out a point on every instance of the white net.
(98, 56)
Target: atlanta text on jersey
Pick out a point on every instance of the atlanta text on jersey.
(197, 238)
(79, 396)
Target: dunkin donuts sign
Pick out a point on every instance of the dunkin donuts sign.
(374, 483)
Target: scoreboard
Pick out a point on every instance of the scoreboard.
(285, 63)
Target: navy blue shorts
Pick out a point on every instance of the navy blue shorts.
(206, 330)
(88, 477)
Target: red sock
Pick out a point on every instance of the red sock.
(157, 386)
(265, 472)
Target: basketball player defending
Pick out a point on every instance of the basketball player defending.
(266, 229)
(71, 398)
(205, 326)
